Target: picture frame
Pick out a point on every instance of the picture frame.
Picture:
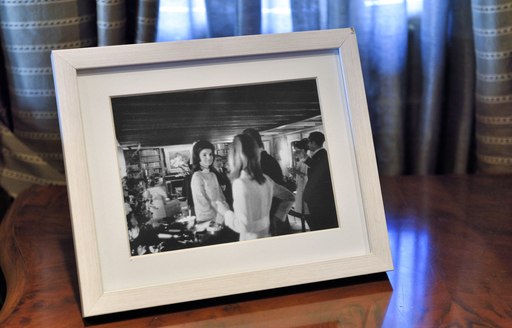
(110, 280)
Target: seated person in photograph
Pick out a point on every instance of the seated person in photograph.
(205, 188)
(271, 167)
(318, 193)
(143, 239)
(252, 192)
(156, 196)
(222, 176)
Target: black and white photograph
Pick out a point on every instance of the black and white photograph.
(220, 165)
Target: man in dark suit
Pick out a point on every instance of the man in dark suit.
(271, 167)
(318, 193)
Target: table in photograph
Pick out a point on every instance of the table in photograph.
(450, 238)
(171, 234)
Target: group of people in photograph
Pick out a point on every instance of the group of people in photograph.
(258, 201)
(246, 192)
(252, 190)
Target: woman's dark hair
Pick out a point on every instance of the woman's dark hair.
(301, 144)
(245, 155)
(198, 146)
(255, 135)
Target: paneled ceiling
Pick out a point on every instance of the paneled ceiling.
(216, 115)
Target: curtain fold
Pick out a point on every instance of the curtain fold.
(493, 43)
(425, 146)
(31, 146)
(233, 17)
(249, 17)
(338, 13)
(111, 22)
(130, 21)
(438, 81)
(146, 22)
(29, 131)
(458, 120)
(419, 72)
(382, 38)
(221, 16)
(305, 15)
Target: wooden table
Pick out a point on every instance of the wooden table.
(450, 236)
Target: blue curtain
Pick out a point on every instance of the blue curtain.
(421, 103)
(418, 66)
(438, 73)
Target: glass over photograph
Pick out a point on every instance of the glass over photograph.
(211, 166)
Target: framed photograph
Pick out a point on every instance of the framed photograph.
(157, 138)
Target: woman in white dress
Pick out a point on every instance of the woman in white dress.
(252, 192)
(206, 191)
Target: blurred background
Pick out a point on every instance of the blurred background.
(438, 73)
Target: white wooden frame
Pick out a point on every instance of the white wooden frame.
(71, 65)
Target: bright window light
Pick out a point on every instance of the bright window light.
(371, 3)
(276, 16)
(181, 20)
(187, 19)
(414, 7)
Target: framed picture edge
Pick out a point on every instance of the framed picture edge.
(364, 152)
(68, 64)
(77, 183)
(218, 48)
(111, 302)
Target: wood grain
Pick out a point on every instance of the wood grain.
(38, 261)
(450, 238)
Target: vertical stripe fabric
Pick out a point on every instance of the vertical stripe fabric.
(437, 83)
(111, 22)
(29, 30)
(146, 21)
(493, 47)
(30, 140)
(126, 21)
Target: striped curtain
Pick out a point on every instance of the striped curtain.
(493, 44)
(29, 30)
(439, 84)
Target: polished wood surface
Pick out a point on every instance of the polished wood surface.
(450, 238)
